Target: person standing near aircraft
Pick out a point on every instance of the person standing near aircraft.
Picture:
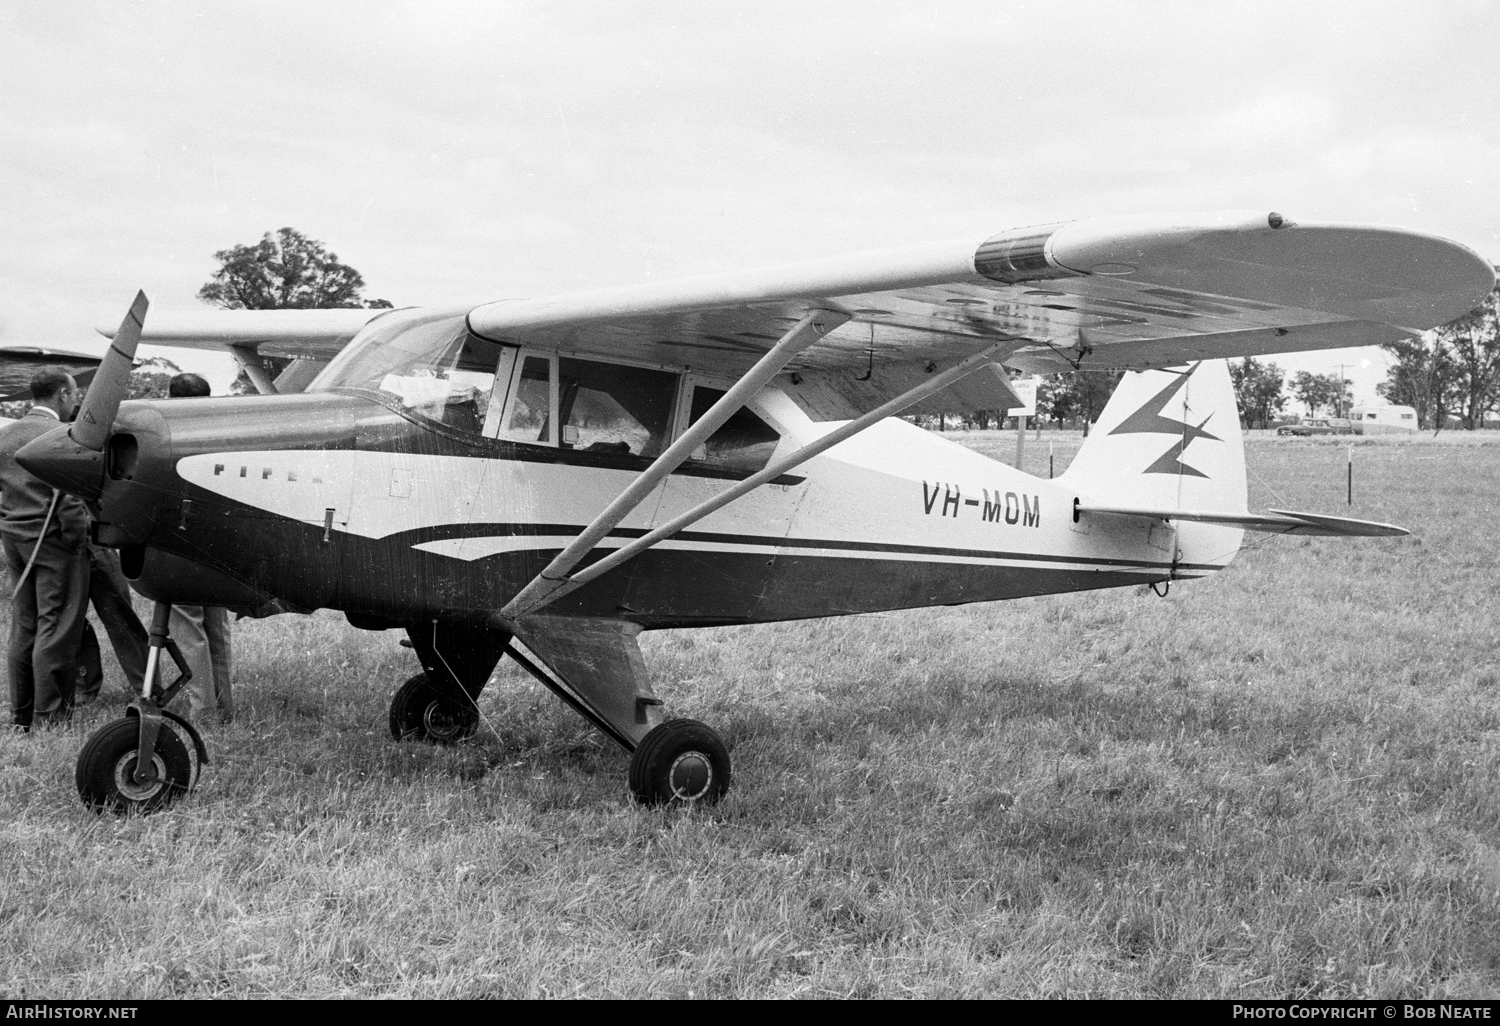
(110, 595)
(44, 535)
(202, 632)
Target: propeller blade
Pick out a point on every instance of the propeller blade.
(111, 382)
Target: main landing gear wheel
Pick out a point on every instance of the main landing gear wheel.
(106, 769)
(680, 762)
(426, 712)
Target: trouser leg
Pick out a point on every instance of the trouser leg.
(88, 670)
(221, 656)
(186, 627)
(110, 594)
(60, 576)
(22, 634)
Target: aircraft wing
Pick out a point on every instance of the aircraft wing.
(1278, 521)
(1108, 293)
(301, 334)
(310, 337)
(1137, 292)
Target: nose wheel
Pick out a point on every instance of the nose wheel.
(680, 762)
(108, 776)
(424, 711)
(151, 757)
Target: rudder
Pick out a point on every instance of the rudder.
(1170, 439)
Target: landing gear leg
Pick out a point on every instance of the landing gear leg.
(150, 757)
(597, 669)
(440, 704)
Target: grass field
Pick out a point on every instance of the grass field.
(1283, 781)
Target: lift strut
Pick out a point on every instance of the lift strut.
(936, 383)
(804, 333)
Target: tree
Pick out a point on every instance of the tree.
(1452, 369)
(150, 378)
(1421, 377)
(1316, 391)
(1083, 393)
(1258, 390)
(1054, 400)
(1076, 394)
(1472, 345)
(285, 270)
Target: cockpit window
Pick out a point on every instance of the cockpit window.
(428, 362)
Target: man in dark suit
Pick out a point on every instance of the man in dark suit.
(44, 536)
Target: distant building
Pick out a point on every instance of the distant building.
(1383, 420)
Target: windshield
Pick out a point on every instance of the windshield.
(425, 360)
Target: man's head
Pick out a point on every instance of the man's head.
(187, 386)
(55, 389)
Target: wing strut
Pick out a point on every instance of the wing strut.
(936, 383)
(809, 329)
(249, 361)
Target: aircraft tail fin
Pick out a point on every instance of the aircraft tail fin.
(1170, 440)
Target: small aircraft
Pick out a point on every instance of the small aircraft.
(547, 478)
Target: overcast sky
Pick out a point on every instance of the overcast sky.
(468, 152)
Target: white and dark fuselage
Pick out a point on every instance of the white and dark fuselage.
(347, 501)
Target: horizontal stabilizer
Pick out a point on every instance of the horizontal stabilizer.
(1276, 521)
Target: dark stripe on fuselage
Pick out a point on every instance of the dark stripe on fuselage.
(659, 588)
(486, 530)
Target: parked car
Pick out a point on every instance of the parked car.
(1319, 426)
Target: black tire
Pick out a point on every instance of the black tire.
(680, 762)
(106, 767)
(190, 743)
(424, 711)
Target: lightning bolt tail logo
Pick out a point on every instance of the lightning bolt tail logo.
(1148, 420)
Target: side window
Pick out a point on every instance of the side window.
(607, 407)
(744, 443)
(530, 414)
